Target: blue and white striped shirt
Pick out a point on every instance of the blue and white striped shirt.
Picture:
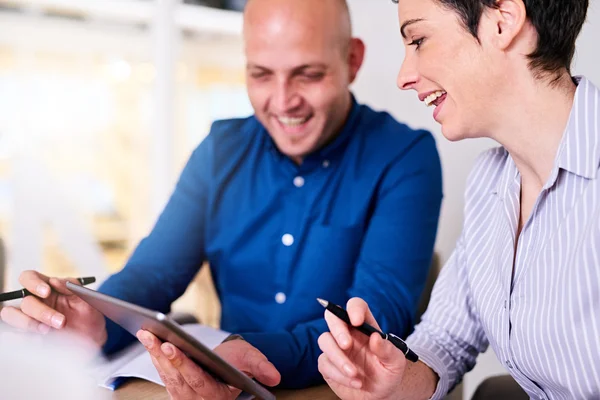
(544, 324)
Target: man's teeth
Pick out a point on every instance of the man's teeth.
(433, 97)
(292, 121)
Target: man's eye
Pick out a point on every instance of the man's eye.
(258, 75)
(315, 76)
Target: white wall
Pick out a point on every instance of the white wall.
(376, 22)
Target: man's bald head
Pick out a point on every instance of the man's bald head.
(328, 19)
(301, 59)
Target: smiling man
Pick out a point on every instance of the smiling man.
(313, 196)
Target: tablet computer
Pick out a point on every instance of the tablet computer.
(133, 318)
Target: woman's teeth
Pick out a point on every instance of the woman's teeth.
(433, 97)
(288, 121)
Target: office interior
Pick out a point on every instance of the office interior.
(102, 102)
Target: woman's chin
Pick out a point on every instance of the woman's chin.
(451, 133)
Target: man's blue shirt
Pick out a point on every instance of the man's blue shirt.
(356, 218)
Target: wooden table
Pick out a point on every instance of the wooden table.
(140, 389)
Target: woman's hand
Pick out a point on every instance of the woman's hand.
(356, 366)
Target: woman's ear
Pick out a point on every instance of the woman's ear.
(508, 19)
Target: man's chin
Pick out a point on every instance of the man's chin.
(295, 149)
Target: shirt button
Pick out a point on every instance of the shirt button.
(280, 298)
(325, 163)
(508, 363)
(299, 181)
(287, 240)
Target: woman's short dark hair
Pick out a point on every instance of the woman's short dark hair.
(557, 22)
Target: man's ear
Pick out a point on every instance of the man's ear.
(356, 56)
(508, 19)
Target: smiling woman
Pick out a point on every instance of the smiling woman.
(525, 264)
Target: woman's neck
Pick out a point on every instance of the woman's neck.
(535, 118)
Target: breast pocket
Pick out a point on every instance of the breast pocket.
(329, 258)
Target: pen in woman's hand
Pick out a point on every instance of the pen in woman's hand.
(19, 294)
(369, 330)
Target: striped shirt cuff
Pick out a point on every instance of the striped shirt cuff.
(427, 353)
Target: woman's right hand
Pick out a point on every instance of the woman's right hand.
(55, 307)
(356, 366)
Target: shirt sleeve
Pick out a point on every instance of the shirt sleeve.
(166, 261)
(450, 335)
(392, 266)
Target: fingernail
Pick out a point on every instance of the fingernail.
(344, 339)
(349, 370)
(42, 289)
(168, 351)
(146, 341)
(57, 320)
(356, 383)
(43, 329)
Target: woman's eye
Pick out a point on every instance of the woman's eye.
(416, 42)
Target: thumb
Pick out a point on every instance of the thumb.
(263, 370)
(388, 355)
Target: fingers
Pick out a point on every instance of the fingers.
(359, 313)
(387, 354)
(175, 384)
(260, 368)
(250, 360)
(17, 319)
(35, 282)
(331, 373)
(59, 285)
(336, 355)
(197, 379)
(339, 330)
(38, 310)
(182, 377)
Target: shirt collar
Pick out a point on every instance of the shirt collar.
(508, 177)
(579, 148)
(342, 138)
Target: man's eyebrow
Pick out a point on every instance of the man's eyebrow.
(407, 23)
(303, 67)
(255, 66)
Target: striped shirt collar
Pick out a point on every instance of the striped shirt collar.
(579, 149)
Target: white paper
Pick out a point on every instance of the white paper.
(134, 361)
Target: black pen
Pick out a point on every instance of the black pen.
(19, 294)
(369, 330)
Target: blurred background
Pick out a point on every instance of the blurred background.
(102, 102)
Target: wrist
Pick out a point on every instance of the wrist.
(419, 381)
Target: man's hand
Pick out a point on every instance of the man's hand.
(184, 379)
(55, 307)
(356, 366)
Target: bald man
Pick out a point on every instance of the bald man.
(313, 196)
